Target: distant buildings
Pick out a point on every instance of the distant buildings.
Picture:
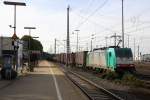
(145, 57)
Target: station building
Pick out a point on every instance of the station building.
(10, 50)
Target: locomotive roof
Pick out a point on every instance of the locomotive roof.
(104, 48)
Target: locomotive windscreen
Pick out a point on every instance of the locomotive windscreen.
(123, 52)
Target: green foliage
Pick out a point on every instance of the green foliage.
(131, 80)
(34, 44)
(117, 81)
(26, 38)
(129, 77)
(126, 79)
(110, 75)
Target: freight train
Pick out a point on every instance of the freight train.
(111, 58)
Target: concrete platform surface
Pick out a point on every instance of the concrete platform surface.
(47, 82)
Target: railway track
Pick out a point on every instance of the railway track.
(92, 90)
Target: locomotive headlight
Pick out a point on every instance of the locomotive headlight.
(131, 65)
(118, 65)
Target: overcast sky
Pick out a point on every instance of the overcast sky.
(99, 17)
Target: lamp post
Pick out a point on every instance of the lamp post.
(29, 28)
(55, 46)
(128, 39)
(106, 40)
(14, 4)
(77, 31)
(64, 46)
(14, 37)
(92, 42)
(122, 23)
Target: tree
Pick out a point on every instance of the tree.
(34, 44)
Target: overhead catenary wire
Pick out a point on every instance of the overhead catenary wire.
(97, 24)
(139, 29)
(118, 31)
(89, 4)
(99, 7)
(129, 28)
(106, 29)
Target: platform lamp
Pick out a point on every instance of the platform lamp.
(29, 28)
(14, 37)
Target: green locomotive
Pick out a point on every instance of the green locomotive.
(112, 58)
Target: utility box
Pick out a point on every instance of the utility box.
(11, 55)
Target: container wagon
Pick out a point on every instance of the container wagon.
(80, 58)
(71, 59)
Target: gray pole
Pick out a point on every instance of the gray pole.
(87, 47)
(29, 47)
(64, 46)
(77, 40)
(128, 41)
(55, 46)
(122, 26)
(115, 39)
(68, 39)
(138, 52)
(15, 58)
(106, 40)
(14, 19)
(91, 44)
(134, 48)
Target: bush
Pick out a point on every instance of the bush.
(130, 79)
(111, 75)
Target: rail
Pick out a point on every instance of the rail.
(92, 90)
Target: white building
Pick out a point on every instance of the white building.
(145, 57)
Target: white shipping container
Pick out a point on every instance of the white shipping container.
(145, 57)
(97, 59)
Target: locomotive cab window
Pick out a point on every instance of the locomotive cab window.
(123, 53)
(110, 54)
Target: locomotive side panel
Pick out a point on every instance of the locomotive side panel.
(100, 59)
(97, 59)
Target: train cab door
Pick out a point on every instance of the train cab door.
(111, 60)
